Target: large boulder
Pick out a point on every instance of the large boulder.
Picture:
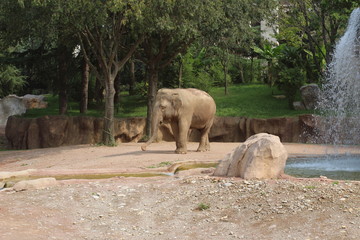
(310, 95)
(261, 156)
(9, 106)
(13, 105)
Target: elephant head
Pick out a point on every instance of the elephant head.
(166, 106)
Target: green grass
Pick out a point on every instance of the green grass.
(251, 100)
(53, 109)
(202, 206)
(162, 164)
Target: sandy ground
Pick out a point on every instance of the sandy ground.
(188, 205)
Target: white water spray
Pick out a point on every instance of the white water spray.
(340, 99)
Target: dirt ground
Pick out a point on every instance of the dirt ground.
(190, 204)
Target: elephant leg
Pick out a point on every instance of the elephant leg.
(175, 130)
(181, 146)
(204, 144)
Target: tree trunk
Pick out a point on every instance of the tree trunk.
(252, 69)
(84, 87)
(270, 76)
(226, 80)
(132, 77)
(241, 69)
(155, 122)
(152, 75)
(117, 92)
(180, 73)
(99, 89)
(108, 131)
(63, 79)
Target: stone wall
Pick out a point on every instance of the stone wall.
(54, 131)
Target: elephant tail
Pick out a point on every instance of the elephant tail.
(144, 146)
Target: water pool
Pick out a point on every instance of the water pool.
(345, 167)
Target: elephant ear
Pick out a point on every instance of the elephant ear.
(176, 101)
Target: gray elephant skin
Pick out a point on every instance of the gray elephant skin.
(183, 109)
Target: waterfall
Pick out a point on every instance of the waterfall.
(339, 103)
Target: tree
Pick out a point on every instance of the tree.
(314, 25)
(172, 26)
(270, 54)
(11, 80)
(108, 40)
(238, 29)
(291, 74)
(84, 86)
(38, 35)
(175, 25)
(106, 31)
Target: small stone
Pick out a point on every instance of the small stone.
(272, 226)
(224, 219)
(96, 195)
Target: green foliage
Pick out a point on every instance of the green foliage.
(162, 164)
(11, 80)
(141, 89)
(244, 70)
(314, 25)
(195, 75)
(202, 206)
(270, 54)
(291, 75)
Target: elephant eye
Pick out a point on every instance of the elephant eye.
(162, 108)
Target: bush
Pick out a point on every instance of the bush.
(291, 75)
(11, 80)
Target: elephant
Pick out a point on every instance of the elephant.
(184, 109)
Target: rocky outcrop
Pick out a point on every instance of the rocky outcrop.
(261, 156)
(9, 106)
(54, 131)
(310, 95)
(13, 105)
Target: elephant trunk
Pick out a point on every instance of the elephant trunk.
(156, 120)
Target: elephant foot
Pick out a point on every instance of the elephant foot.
(203, 149)
(181, 151)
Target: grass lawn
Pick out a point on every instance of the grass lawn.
(252, 100)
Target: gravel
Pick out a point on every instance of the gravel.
(168, 208)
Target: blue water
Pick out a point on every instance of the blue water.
(338, 167)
